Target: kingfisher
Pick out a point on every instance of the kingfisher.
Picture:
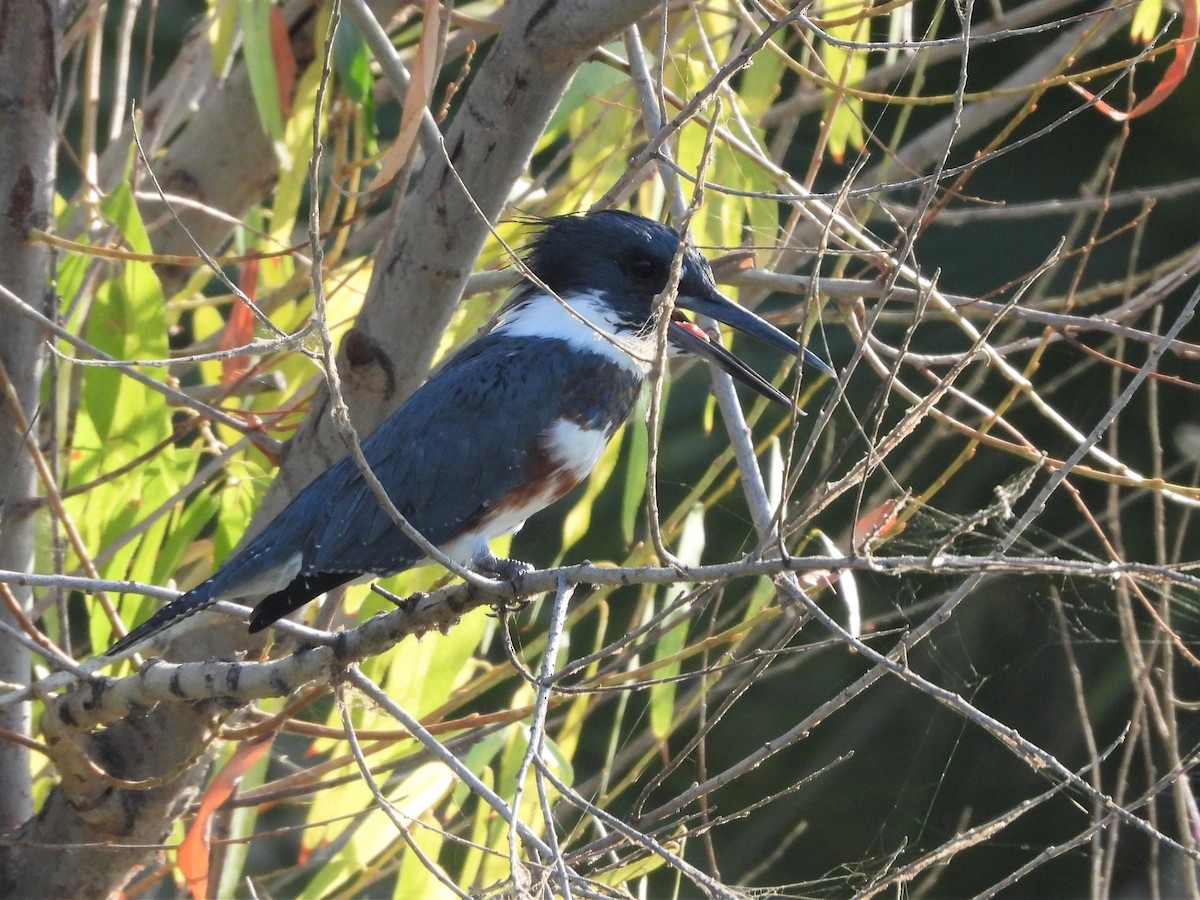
(508, 425)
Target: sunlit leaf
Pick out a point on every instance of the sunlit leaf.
(222, 29)
(1146, 16)
(295, 142)
(845, 67)
(422, 674)
(662, 695)
(415, 879)
(642, 866)
(638, 442)
(246, 482)
(592, 82)
(260, 66)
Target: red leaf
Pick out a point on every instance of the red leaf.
(877, 524)
(193, 854)
(284, 59)
(239, 329)
(1185, 47)
(420, 90)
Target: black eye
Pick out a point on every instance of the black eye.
(642, 267)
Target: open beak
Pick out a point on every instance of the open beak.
(690, 338)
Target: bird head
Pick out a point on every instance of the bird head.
(625, 260)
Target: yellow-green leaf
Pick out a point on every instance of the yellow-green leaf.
(846, 68)
(260, 67)
(662, 695)
(1145, 20)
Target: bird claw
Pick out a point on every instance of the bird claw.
(509, 570)
(502, 569)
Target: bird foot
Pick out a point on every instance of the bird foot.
(503, 569)
(509, 570)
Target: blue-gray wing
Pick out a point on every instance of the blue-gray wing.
(460, 445)
(454, 449)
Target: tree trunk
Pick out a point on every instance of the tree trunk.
(29, 38)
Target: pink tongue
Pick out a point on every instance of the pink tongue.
(691, 327)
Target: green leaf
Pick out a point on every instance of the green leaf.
(760, 82)
(295, 143)
(121, 209)
(186, 527)
(662, 695)
(1145, 20)
(126, 321)
(559, 761)
(222, 28)
(479, 758)
(635, 471)
(260, 65)
(121, 421)
(592, 80)
(415, 878)
(845, 67)
(246, 483)
(603, 132)
(474, 851)
(643, 865)
(73, 268)
(422, 675)
(351, 62)
(241, 824)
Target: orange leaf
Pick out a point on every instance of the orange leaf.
(284, 59)
(877, 524)
(1185, 47)
(193, 854)
(416, 98)
(239, 329)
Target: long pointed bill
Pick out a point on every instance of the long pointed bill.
(690, 338)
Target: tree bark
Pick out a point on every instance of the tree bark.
(29, 37)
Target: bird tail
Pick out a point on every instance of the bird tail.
(198, 598)
(302, 588)
(275, 606)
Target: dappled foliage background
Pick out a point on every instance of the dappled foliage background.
(988, 261)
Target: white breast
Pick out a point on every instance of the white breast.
(569, 452)
(575, 448)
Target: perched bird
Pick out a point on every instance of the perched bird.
(505, 427)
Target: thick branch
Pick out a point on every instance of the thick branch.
(29, 38)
